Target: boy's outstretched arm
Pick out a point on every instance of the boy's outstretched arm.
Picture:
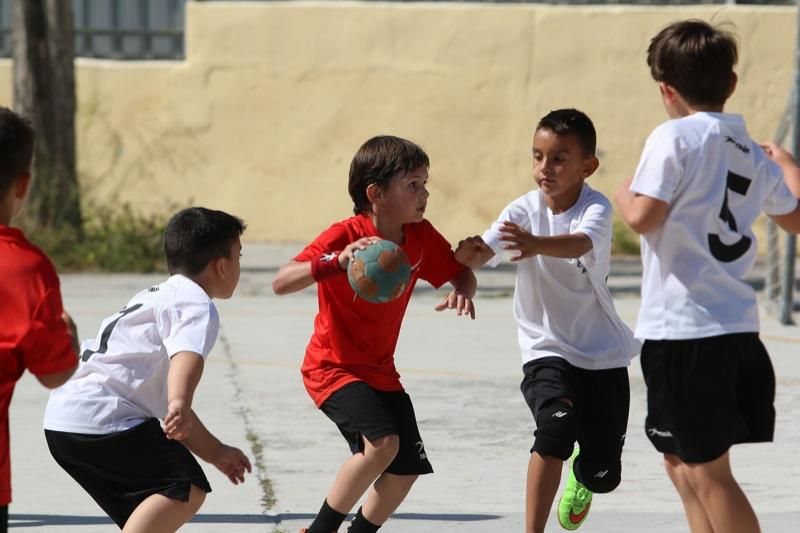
(460, 298)
(229, 460)
(528, 245)
(791, 176)
(642, 213)
(185, 370)
(297, 275)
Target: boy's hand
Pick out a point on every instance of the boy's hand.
(232, 462)
(473, 252)
(348, 253)
(777, 153)
(520, 240)
(460, 302)
(178, 422)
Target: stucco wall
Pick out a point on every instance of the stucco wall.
(273, 100)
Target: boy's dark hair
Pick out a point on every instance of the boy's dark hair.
(16, 147)
(377, 161)
(695, 58)
(195, 236)
(571, 122)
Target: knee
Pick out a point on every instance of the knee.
(384, 449)
(556, 430)
(598, 476)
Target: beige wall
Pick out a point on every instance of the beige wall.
(273, 100)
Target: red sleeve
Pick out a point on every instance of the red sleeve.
(47, 346)
(439, 265)
(333, 239)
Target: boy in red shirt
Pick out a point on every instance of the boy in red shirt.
(36, 334)
(349, 368)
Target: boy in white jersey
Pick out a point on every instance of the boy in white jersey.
(700, 184)
(575, 348)
(103, 426)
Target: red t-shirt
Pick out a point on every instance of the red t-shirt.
(33, 334)
(354, 340)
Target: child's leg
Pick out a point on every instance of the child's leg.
(544, 474)
(726, 506)
(385, 496)
(158, 514)
(692, 506)
(360, 470)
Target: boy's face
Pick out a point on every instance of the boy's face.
(560, 166)
(406, 197)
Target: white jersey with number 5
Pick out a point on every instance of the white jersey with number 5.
(717, 181)
(122, 377)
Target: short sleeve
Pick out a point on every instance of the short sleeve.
(47, 345)
(333, 239)
(439, 264)
(779, 199)
(596, 222)
(514, 212)
(189, 326)
(660, 168)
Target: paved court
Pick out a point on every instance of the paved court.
(463, 377)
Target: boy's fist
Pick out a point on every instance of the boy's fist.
(472, 252)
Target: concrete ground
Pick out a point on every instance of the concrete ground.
(463, 377)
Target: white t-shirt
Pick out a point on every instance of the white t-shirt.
(121, 380)
(562, 306)
(716, 181)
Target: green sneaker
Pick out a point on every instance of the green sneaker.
(575, 502)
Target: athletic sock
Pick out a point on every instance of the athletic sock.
(361, 524)
(327, 520)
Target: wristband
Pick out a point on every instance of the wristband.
(326, 266)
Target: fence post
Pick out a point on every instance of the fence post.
(790, 252)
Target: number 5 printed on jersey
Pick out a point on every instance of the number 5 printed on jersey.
(730, 252)
(107, 333)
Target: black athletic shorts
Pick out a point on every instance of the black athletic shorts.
(361, 412)
(705, 395)
(120, 470)
(600, 399)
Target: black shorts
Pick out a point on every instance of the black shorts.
(361, 412)
(705, 395)
(120, 470)
(600, 399)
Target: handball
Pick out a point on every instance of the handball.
(380, 272)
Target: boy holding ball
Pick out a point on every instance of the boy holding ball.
(349, 369)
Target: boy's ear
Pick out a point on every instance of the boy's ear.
(374, 193)
(590, 165)
(22, 185)
(667, 91)
(220, 267)
(734, 81)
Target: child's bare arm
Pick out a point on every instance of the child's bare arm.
(229, 460)
(791, 176)
(473, 252)
(642, 213)
(185, 370)
(529, 245)
(296, 275)
(460, 298)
